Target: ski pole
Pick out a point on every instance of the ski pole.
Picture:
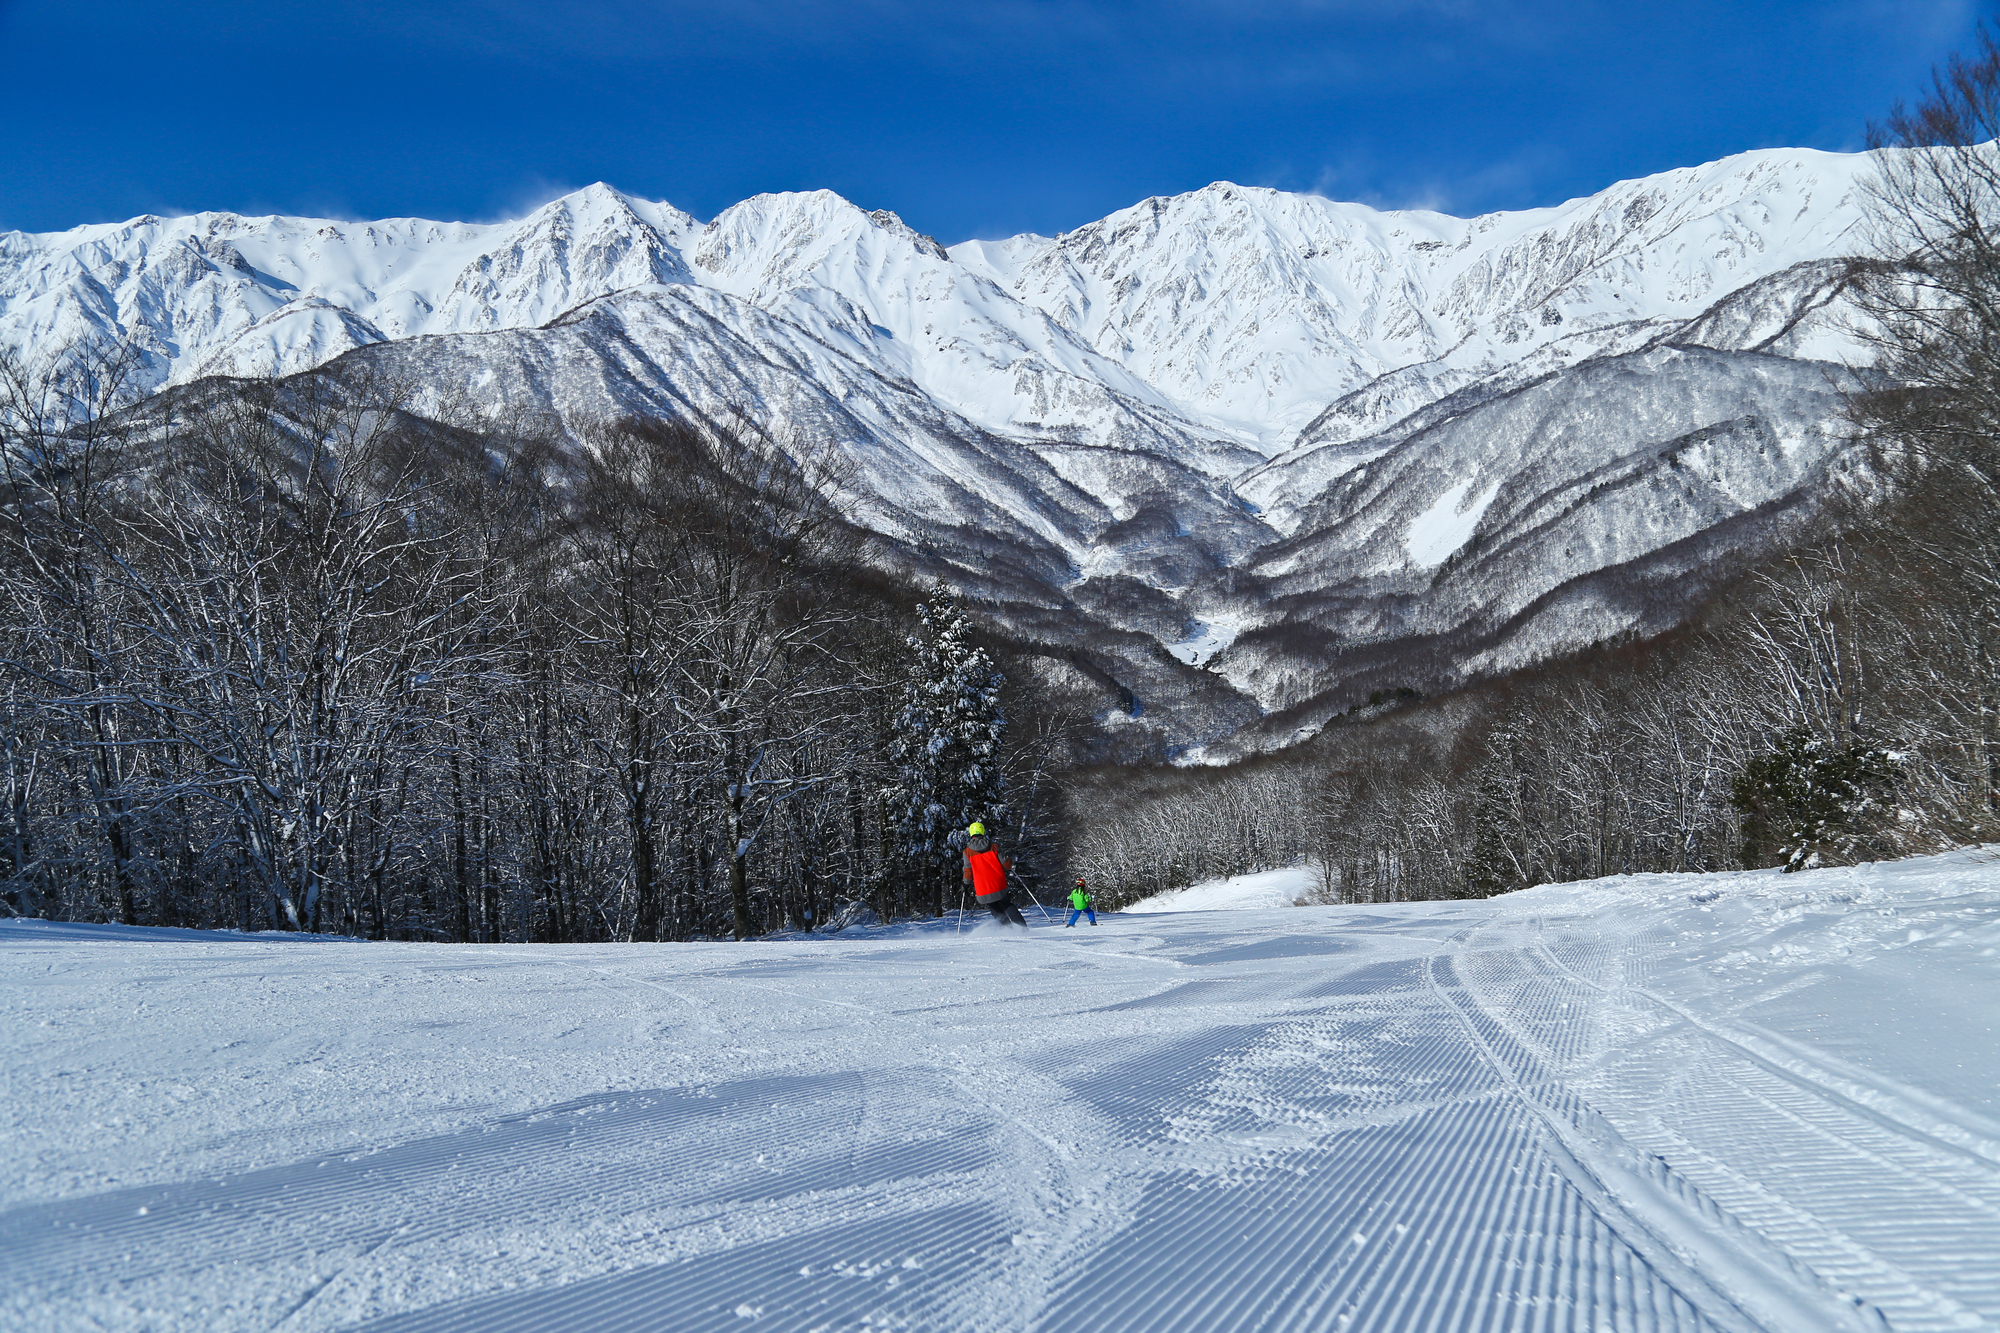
(1037, 902)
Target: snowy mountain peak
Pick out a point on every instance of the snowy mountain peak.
(601, 208)
(221, 293)
(772, 243)
(889, 222)
(573, 249)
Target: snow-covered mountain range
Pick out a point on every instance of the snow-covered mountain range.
(1308, 446)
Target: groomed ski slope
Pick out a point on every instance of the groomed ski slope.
(1729, 1102)
(1267, 888)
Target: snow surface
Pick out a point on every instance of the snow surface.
(1735, 1102)
(1266, 888)
(1444, 527)
(1210, 637)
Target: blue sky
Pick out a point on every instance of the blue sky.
(968, 119)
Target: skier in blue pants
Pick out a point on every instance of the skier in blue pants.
(1079, 903)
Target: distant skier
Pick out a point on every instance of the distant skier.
(987, 870)
(1080, 903)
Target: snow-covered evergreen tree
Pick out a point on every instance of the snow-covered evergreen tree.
(1808, 802)
(949, 730)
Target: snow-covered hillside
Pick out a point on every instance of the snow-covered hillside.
(1735, 1102)
(1258, 308)
(1268, 410)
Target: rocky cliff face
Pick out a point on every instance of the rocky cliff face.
(1313, 447)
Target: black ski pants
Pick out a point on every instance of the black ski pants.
(1004, 911)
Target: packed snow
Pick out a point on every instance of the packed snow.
(1739, 1102)
(1266, 888)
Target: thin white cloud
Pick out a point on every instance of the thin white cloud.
(528, 194)
(1917, 25)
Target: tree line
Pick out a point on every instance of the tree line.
(292, 656)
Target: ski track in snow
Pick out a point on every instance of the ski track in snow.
(1655, 1103)
(1265, 888)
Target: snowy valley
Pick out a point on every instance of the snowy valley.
(1247, 455)
(1723, 1102)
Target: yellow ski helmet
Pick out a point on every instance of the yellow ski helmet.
(977, 830)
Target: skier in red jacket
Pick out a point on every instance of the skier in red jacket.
(986, 870)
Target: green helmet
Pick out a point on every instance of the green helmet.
(977, 830)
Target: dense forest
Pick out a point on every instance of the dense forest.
(289, 655)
